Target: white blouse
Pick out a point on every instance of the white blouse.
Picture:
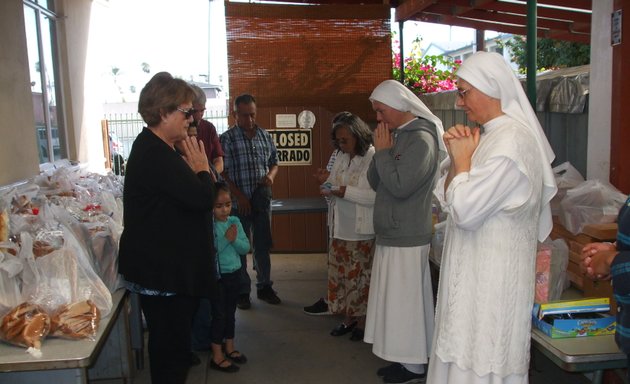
(350, 217)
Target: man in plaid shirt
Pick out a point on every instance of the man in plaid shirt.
(250, 166)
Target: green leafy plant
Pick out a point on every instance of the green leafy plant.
(550, 54)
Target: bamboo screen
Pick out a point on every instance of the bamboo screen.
(292, 58)
(327, 55)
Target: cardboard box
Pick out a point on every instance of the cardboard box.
(591, 320)
(590, 234)
(605, 232)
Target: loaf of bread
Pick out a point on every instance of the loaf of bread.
(76, 321)
(4, 225)
(42, 248)
(26, 325)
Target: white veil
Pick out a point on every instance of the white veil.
(399, 97)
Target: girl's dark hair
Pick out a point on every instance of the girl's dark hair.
(222, 186)
(357, 127)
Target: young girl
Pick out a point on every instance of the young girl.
(230, 243)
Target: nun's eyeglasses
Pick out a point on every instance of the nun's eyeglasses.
(462, 92)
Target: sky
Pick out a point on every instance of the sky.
(168, 35)
(173, 36)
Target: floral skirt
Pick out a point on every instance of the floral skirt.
(349, 267)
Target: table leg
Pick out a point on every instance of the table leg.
(597, 376)
(136, 331)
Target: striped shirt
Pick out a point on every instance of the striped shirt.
(620, 271)
(246, 161)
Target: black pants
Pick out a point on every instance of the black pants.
(223, 306)
(169, 321)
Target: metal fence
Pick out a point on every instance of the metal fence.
(124, 127)
(567, 132)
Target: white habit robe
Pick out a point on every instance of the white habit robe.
(487, 275)
(399, 321)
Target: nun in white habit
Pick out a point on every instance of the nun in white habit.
(400, 317)
(496, 192)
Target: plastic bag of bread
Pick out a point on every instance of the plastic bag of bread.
(104, 249)
(98, 240)
(4, 222)
(21, 323)
(78, 320)
(10, 269)
(62, 277)
(26, 325)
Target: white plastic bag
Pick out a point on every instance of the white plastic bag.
(65, 276)
(567, 177)
(10, 270)
(591, 202)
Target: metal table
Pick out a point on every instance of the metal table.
(583, 354)
(298, 205)
(75, 361)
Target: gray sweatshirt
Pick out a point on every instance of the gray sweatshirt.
(403, 177)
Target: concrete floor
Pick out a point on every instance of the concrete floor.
(284, 345)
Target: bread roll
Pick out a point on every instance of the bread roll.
(76, 321)
(26, 325)
(4, 225)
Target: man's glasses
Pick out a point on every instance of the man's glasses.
(462, 92)
(187, 112)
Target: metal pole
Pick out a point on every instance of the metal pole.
(480, 37)
(531, 51)
(402, 51)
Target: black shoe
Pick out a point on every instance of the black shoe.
(237, 357)
(342, 329)
(318, 309)
(268, 295)
(243, 301)
(400, 375)
(232, 368)
(386, 370)
(357, 334)
(194, 359)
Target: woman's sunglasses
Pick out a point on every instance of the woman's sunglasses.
(187, 112)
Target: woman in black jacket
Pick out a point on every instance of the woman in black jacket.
(166, 248)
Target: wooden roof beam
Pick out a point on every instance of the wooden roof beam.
(516, 19)
(586, 5)
(503, 28)
(549, 13)
(475, 24)
(408, 9)
(568, 36)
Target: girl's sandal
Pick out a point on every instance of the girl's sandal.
(228, 368)
(236, 357)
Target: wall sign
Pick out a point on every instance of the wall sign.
(615, 28)
(285, 120)
(294, 146)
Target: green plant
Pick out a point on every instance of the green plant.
(550, 54)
